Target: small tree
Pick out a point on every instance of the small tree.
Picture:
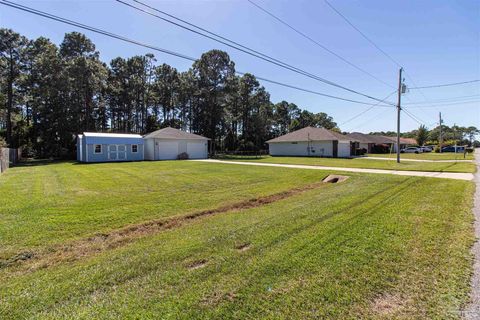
(422, 135)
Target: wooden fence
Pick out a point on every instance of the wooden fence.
(8, 156)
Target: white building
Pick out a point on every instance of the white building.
(169, 143)
(313, 142)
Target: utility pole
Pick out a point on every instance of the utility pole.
(398, 112)
(440, 139)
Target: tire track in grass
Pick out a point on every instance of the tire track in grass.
(105, 241)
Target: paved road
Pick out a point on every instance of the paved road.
(447, 175)
(473, 310)
(414, 160)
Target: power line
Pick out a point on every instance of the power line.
(248, 51)
(375, 45)
(412, 116)
(444, 85)
(169, 52)
(317, 43)
(370, 119)
(366, 110)
(445, 104)
(319, 93)
(451, 99)
(361, 33)
(93, 29)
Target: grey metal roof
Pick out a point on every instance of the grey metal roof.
(112, 135)
(172, 133)
(310, 134)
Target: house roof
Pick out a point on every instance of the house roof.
(402, 140)
(111, 135)
(368, 138)
(172, 133)
(310, 134)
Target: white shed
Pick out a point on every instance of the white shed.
(313, 142)
(168, 143)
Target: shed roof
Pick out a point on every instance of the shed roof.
(111, 135)
(310, 134)
(172, 133)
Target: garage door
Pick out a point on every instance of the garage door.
(167, 150)
(196, 150)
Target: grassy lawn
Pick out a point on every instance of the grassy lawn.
(363, 163)
(374, 246)
(45, 205)
(426, 156)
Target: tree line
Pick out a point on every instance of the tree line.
(450, 135)
(50, 93)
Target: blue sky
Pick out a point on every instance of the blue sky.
(436, 41)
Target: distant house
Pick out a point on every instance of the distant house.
(168, 143)
(370, 142)
(104, 147)
(163, 144)
(309, 141)
(404, 142)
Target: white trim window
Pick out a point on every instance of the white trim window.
(134, 148)
(97, 148)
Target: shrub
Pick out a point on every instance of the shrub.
(360, 151)
(469, 150)
(183, 156)
(3, 144)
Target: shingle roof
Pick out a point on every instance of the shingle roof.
(368, 138)
(310, 134)
(402, 140)
(172, 133)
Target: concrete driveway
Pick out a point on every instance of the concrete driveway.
(446, 175)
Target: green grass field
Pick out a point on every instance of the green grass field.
(425, 156)
(363, 163)
(283, 245)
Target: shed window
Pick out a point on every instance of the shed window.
(134, 148)
(98, 148)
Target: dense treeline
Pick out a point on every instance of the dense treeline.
(450, 135)
(50, 93)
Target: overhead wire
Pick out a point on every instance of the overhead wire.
(376, 46)
(248, 51)
(155, 48)
(445, 85)
(366, 110)
(304, 35)
(412, 116)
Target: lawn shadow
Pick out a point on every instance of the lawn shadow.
(40, 162)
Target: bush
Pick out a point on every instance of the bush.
(437, 149)
(469, 150)
(360, 151)
(3, 143)
(183, 156)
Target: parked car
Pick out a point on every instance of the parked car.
(411, 150)
(457, 149)
(426, 149)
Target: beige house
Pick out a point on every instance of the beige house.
(312, 142)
